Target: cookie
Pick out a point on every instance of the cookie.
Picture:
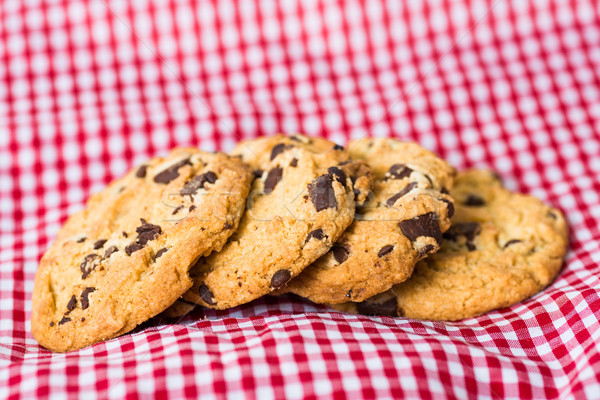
(125, 257)
(301, 201)
(502, 248)
(401, 223)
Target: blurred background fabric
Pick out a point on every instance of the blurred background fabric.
(88, 89)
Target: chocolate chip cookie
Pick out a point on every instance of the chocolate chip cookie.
(301, 201)
(502, 248)
(402, 222)
(126, 256)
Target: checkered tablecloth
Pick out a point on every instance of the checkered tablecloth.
(89, 89)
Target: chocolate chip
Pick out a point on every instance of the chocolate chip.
(99, 244)
(64, 320)
(210, 177)
(474, 200)
(198, 182)
(450, 207)
(340, 253)
(132, 248)
(317, 234)
(171, 173)
(147, 232)
(468, 229)
(390, 202)
(109, 252)
(423, 225)
(385, 250)
(338, 147)
(338, 173)
(192, 208)
(349, 294)
(321, 192)
(89, 263)
(177, 209)
(71, 304)
(206, 295)
(273, 178)
(280, 278)
(279, 148)
(511, 242)
(294, 162)
(124, 234)
(258, 173)
(141, 172)
(51, 324)
(449, 235)
(227, 225)
(387, 308)
(82, 319)
(160, 253)
(85, 300)
(398, 171)
(444, 190)
(425, 250)
(81, 240)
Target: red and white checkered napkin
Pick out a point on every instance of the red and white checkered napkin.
(89, 89)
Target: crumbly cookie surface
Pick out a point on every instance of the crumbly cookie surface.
(126, 256)
(502, 248)
(301, 201)
(402, 221)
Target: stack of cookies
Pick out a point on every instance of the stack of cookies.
(381, 228)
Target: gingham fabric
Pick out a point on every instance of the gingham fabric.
(90, 89)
